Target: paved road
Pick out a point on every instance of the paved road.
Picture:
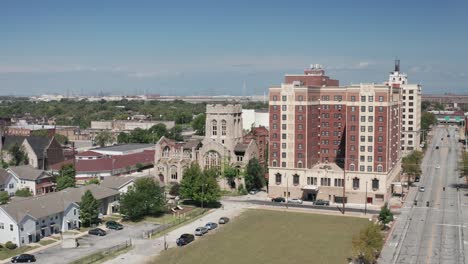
(434, 233)
(91, 244)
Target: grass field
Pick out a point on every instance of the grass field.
(273, 237)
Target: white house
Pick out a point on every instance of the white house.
(25, 176)
(7, 182)
(28, 220)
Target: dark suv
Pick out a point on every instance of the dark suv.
(114, 225)
(184, 239)
(322, 202)
(278, 200)
(97, 232)
(23, 258)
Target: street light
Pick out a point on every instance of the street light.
(365, 202)
(287, 189)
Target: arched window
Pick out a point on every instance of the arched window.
(278, 178)
(379, 168)
(299, 164)
(352, 167)
(375, 184)
(214, 127)
(356, 183)
(166, 152)
(213, 160)
(296, 179)
(223, 127)
(173, 173)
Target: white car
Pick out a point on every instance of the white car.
(296, 201)
(437, 166)
(422, 189)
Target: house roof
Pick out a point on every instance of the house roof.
(38, 144)
(241, 147)
(88, 153)
(4, 175)
(124, 147)
(109, 163)
(27, 172)
(116, 182)
(53, 203)
(9, 141)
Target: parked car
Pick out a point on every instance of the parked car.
(437, 166)
(437, 147)
(295, 201)
(97, 232)
(416, 179)
(422, 189)
(223, 220)
(211, 225)
(253, 191)
(200, 231)
(322, 202)
(184, 239)
(114, 225)
(23, 258)
(278, 200)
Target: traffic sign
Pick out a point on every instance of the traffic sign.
(447, 118)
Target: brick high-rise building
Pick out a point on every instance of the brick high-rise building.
(324, 138)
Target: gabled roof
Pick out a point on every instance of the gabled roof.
(27, 172)
(116, 182)
(89, 153)
(53, 203)
(241, 147)
(4, 175)
(9, 141)
(39, 145)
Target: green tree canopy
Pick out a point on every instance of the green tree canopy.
(254, 175)
(66, 177)
(427, 119)
(93, 181)
(367, 244)
(104, 138)
(146, 197)
(385, 215)
(198, 124)
(89, 209)
(123, 138)
(25, 192)
(4, 197)
(200, 186)
(18, 155)
(411, 164)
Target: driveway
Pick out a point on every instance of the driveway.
(90, 244)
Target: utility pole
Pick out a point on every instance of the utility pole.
(287, 190)
(344, 184)
(165, 233)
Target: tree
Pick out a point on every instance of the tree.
(230, 173)
(427, 119)
(254, 175)
(4, 197)
(157, 131)
(63, 140)
(93, 181)
(367, 244)
(175, 133)
(144, 198)
(25, 192)
(411, 164)
(19, 156)
(385, 215)
(123, 138)
(198, 124)
(89, 209)
(104, 138)
(200, 186)
(66, 177)
(175, 189)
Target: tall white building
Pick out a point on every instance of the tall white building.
(411, 110)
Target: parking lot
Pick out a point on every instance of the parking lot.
(90, 244)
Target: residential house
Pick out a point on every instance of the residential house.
(37, 181)
(7, 182)
(41, 151)
(118, 183)
(28, 220)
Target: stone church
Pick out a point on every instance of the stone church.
(224, 143)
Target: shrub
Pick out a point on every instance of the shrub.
(10, 245)
(241, 189)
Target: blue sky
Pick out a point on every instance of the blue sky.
(212, 47)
